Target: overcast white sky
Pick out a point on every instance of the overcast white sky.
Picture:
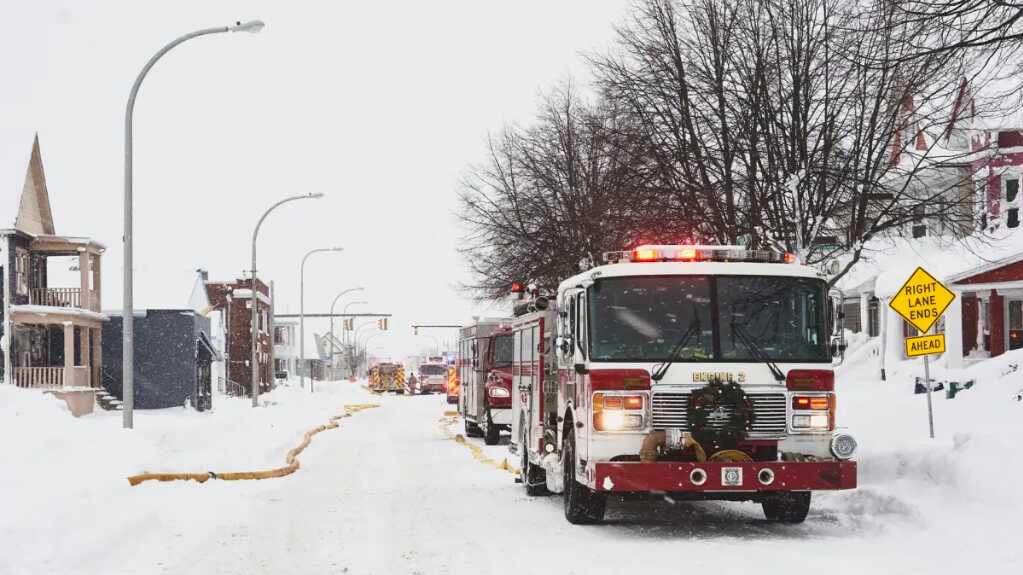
(379, 105)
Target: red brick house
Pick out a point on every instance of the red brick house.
(233, 301)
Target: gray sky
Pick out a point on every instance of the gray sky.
(379, 105)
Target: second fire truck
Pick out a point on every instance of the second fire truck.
(700, 371)
(484, 378)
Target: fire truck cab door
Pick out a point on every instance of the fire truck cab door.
(579, 353)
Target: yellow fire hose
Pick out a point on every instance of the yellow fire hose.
(477, 452)
(291, 459)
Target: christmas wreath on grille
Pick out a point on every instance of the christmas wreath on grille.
(720, 415)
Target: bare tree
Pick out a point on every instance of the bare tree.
(554, 195)
(794, 124)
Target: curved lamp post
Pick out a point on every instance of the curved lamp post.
(344, 311)
(255, 293)
(332, 304)
(301, 313)
(343, 331)
(365, 344)
(128, 333)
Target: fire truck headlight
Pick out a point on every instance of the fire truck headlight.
(498, 392)
(617, 421)
(816, 421)
(843, 446)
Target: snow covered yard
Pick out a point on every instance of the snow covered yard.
(390, 492)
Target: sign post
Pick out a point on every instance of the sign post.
(921, 301)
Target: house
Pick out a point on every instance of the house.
(286, 356)
(231, 304)
(173, 358)
(981, 260)
(52, 325)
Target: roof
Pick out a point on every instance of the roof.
(24, 184)
(887, 262)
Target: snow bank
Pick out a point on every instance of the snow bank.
(965, 478)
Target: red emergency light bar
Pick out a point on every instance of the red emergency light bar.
(696, 253)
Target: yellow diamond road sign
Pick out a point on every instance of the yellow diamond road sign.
(922, 300)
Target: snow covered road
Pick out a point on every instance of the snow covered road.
(390, 492)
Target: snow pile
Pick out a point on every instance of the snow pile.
(962, 479)
(64, 474)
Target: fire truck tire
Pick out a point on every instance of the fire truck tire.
(471, 429)
(491, 432)
(787, 506)
(582, 505)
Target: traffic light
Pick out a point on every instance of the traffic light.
(348, 324)
(382, 324)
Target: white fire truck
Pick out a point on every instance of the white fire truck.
(700, 371)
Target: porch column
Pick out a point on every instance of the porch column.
(69, 353)
(954, 333)
(83, 336)
(83, 273)
(96, 298)
(865, 313)
(893, 342)
(97, 358)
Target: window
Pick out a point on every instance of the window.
(1015, 324)
(1012, 200)
(919, 221)
(281, 335)
(21, 270)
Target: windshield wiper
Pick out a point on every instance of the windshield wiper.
(662, 368)
(756, 351)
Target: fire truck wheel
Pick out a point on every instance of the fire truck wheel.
(471, 429)
(787, 506)
(491, 432)
(582, 504)
(533, 476)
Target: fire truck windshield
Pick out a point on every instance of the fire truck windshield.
(504, 350)
(642, 318)
(432, 369)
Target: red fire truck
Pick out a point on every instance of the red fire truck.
(484, 377)
(700, 371)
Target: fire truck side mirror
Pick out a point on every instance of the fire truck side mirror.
(580, 368)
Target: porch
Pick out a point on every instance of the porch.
(56, 349)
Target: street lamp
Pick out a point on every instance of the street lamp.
(436, 342)
(332, 304)
(365, 344)
(128, 325)
(255, 294)
(344, 311)
(301, 313)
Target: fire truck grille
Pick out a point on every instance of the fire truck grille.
(669, 411)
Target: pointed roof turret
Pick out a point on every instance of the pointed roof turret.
(34, 215)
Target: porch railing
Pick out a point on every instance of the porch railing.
(50, 376)
(56, 297)
(39, 376)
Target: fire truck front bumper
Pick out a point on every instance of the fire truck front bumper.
(723, 477)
